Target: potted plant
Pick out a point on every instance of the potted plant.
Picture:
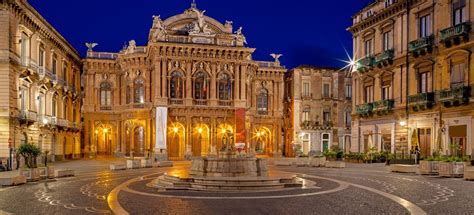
(452, 167)
(429, 166)
(29, 153)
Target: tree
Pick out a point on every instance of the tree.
(29, 152)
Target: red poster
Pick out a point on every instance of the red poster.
(240, 126)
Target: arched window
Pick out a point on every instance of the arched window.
(176, 85)
(128, 95)
(105, 94)
(65, 109)
(139, 95)
(201, 86)
(224, 87)
(262, 101)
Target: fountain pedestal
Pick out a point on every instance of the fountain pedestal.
(229, 167)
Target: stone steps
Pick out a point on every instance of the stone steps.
(225, 184)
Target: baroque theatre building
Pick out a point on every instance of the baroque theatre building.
(187, 92)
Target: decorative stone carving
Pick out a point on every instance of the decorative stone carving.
(160, 30)
(239, 36)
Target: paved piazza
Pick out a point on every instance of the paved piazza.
(357, 189)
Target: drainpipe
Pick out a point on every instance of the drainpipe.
(407, 59)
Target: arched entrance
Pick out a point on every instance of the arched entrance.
(261, 140)
(104, 137)
(222, 131)
(201, 137)
(176, 141)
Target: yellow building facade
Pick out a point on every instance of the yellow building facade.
(39, 85)
(413, 77)
(192, 88)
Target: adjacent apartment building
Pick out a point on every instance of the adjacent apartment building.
(413, 76)
(318, 109)
(39, 84)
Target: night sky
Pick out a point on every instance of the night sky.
(304, 31)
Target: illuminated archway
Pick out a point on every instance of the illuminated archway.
(176, 141)
(201, 139)
(223, 130)
(261, 140)
(103, 136)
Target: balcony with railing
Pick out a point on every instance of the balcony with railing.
(200, 102)
(365, 64)
(421, 101)
(174, 101)
(421, 46)
(364, 110)
(225, 103)
(383, 107)
(54, 120)
(455, 34)
(102, 55)
(455, 96)
(27, 116)
(310, 125)
(63, 123)
(385, 58)
(139, 105)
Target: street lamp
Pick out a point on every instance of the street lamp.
(403, 123)
(175, 129)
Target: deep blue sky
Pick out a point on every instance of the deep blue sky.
(304, 31)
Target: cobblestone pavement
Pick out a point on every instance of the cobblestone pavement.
(357, 189)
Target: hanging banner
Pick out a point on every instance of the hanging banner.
(240, 127)
(161, 127)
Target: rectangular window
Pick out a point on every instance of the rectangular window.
(326, 90)
(105, 98)
(24, 96)
(457, 75)
(369, 94)
(423, 82)
(386, 88)
(24, 49)
(306, 89)
(387, 41)
(54, 107)
(65, 72)
(425, 26)
(348, 119)
(348, 91)
(326, 116)
(368, 47)
(65, 110)
(41, 104)
(459, 12)
(389, 2)
(54, 65)
(305, 116)
(41, 58)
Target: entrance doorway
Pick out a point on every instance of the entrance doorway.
(139, 142)
(458, 137)
(325, 142)
(201, 139)
(425, 141)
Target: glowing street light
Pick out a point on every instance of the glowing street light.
(223, 131)
(45, 121)
(403, 123)
(175, 129)
(200, 130)
(106, 130)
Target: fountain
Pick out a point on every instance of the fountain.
(230, 170)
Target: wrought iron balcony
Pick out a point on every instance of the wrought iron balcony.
(200, 102)
(365, 64)
(455, 96)
(383, 107)
(106, 108)
(28, 116)
(385, 58)
(139, 105)
(364, 110)
(421, 46)
(63, 123)
(54, 120)
(173, 101)
(455, 34)
(421, 101)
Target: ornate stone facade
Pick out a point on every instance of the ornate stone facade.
(413, 77)
(39, 84)
(318, 109)
(198, 69)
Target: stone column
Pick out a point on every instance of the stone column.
(213, 84)
(281, 87)
(243, 95)
(156, 82)
(189, 86)
(164, 77)
(237, 83)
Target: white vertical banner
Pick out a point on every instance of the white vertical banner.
(161, 127)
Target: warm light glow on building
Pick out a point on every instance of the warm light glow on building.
(175, 129)
(200, 130)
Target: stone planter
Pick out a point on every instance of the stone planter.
(31, 174)
(429, 167)
(402, 168)
(302, 161)
(469, 174)
(317, 162)
(452, 169)
(146, 163)
(46, 172)
(133, 164)
(335, 164)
